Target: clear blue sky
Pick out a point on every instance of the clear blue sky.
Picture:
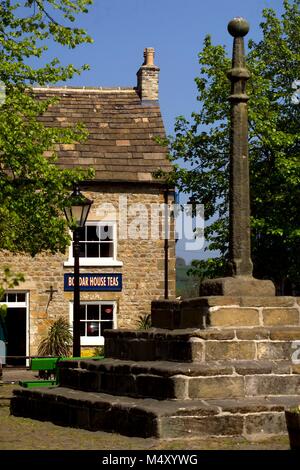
(175, 28)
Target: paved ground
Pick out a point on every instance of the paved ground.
(26, 434)
(13, 375)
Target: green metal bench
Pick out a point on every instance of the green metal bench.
(47, 367)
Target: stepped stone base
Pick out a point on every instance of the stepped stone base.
(164, 380)
(210, 366)
(153, 418)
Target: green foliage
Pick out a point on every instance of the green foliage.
(208, 268)
(27, 28)
(59, 340)
(144, 322)
(32, 187)
(203, 145)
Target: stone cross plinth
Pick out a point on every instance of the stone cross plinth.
(241, 281)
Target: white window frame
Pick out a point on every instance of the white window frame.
(93, 340)
(107, 261)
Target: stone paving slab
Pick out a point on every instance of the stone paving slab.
(13, 374)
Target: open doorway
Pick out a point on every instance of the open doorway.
(15, 328)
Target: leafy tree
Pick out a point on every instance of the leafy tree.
(32, 187)
(203, 144)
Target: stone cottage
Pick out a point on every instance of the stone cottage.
(132, 264)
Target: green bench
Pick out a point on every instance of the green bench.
(47, 367)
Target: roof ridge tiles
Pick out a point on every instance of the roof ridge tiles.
(85, 89)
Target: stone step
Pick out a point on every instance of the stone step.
(226, 311)
(201, 345)
(246, 417)
(167, 380)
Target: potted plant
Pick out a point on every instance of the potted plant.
(57, 343)
(144, 322)
(292, 417)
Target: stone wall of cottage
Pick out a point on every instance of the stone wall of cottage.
(142, 270)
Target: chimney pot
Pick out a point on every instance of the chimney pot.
(148, 56)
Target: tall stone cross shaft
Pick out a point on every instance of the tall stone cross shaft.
(239, 211)
(240, 282)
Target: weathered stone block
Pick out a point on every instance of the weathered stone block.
(59, 412)
(295, 368)
(265, 423)
(110, 347)
(79, 416)
(274, 350)
(237, 286)
(270, 301)
(187, 426)
(216, 387)
(99, 417)
(145, 422)
(125, 384)
(285, 334)
(280, 316)
(233, 350)
(192, 318)
(253, 333)
(162, 350)
(272, 385)
(183, 351)
(197, 349)
(160, 387)
(216, 334)
(251, 367)
(70, 378)
(231, 316)
(89, 381)
(166, 314)
(141, 350)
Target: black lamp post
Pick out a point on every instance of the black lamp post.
(76, 210)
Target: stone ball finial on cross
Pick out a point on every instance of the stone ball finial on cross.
(238, 27)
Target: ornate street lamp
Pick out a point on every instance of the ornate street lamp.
(76, 209)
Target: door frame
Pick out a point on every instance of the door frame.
(27, 319)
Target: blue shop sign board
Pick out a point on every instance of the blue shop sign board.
(90, 282)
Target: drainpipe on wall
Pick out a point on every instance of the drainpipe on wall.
(166, 245)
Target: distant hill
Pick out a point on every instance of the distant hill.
(186, 286)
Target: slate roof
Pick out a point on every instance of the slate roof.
(121, 130)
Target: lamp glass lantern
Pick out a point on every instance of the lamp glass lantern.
(77, 209)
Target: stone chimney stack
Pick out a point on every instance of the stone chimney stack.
(147, 77)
